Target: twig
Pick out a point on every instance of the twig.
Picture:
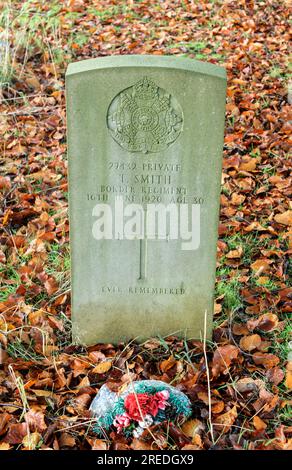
(208, 378)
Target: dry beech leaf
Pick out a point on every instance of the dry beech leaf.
(31, 440)
(192, 427)
(167, 364)
(17, 240)
(258, 423)
(262, 280)
(264, 346)
(255, 226)
(98, 444)
(237, 198)
(246, 385)
(197, 440)
(42, 393)
(204, 397)
(84, 383)
(102, 368)
(217, 308)
(259, 266)
(5, 182)
(96, 356)
(4, 420)
(116, 445)
(224, 422)
(16, 433)
(191, 447)
(249, 343)
(285, 218)
(240, 329)
(2, 257)
(267, 322)
(35, 420)
(33, 82)
(223, 356)
(81, 401)
(217, 407)
(250, 165)
(51, 285)
(235, 253)
(275, 375)
(67, 440)
(152, 344)
(266, 359)
(4, 446)
(267, 400)
(79, 367)
(288, 380)
(139, 444)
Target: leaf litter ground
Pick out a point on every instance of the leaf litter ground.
(46, 382)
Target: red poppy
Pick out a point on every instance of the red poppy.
(153, 406)
(137, 404)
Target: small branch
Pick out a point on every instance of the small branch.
(208, 377)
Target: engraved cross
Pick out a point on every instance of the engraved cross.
(143, 255)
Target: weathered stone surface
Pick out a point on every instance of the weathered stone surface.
(149, 129)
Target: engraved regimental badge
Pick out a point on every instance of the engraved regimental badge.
(144, 118)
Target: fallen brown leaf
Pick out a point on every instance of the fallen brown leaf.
(167, 364)
(266, 359)
(288, 380)
(31, 440)
(259, 266)
(67, 440)
(192, 427)
(223, 356)
(258, 423)
(4, 446)
(35, 420)
(98, 444)
(139, 444)
(248, 343)
(16, 433)
(285, 218)
(267, 322)
(102, 368)
(275, 375)
(224, 422)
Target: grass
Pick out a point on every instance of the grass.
(58, 259)
(229, 287)
(57, 265)
(282, 341)
(228, 278)
(29, 32)
(278, 72)
(251, 244)
(18, 349)
(284, 415)
(107, 13)
(10, 273)
(197, 50)
(25, 33)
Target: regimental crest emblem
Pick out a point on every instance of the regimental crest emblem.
(144, 118)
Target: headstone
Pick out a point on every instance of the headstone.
(145, 137)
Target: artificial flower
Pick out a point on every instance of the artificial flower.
(122, 421)
(137, 405)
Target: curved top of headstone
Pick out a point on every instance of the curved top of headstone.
(172, 62)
